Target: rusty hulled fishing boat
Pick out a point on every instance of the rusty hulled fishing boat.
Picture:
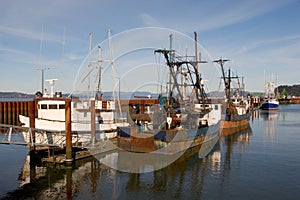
(183, 119)
(236, 111)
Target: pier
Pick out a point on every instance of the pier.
(13, 133)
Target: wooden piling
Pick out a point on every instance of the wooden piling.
(9, 116)
(26, 108)
(5, 113)
(17, 113)
(13, 113)
(69, 183)
(31, 115)
(1, 112)
(69, 157)
(93, 125)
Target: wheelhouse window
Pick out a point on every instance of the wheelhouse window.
(43, 106)
(61, 106)
(216, 107)
(52, 106)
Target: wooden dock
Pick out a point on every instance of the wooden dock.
(10, 126)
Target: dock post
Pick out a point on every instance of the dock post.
(1, 113)
(69, 182)
(9, 113)
(69, 157)
(31, 114)
(5, 113)
(93, 116)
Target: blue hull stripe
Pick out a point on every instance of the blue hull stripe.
(269, 106)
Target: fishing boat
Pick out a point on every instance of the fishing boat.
(270, 102)
(51, 118)
(183, 119)
(236, 112)
(89, 113)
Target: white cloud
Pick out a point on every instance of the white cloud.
(218, 14)
(149, 20)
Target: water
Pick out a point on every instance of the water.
(260, 163)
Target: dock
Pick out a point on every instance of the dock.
(12, 131)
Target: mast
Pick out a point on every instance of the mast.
(170, 76)
(226, 83)
(166, 54)
(62, 59)
(196, 50)
(99, 87)
(89, 65)
(39, 62)
(112, 65)
(229, 84)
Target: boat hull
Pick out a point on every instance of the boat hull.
(231, 127)
(269, 106)
(166, 142)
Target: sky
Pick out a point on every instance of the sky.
(260, 37)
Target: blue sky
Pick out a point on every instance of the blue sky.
(256, 35)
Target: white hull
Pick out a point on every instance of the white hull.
(52, 121)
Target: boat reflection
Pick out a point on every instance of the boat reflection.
(269, 115)
(91, 178)
(270, 123)
(233, 143)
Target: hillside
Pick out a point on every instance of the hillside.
(293, 90)
(15, 95)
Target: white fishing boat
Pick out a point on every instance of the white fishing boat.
(270, 101)
(88, 114)
(51, 117)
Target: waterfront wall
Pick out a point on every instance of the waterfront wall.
(10, 111)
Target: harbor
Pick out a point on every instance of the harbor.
(149, 100)
(263, 158)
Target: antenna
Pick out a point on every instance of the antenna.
(51, 82)
(43, 76)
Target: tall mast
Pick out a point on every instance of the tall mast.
(39, 62)
(196, 50)
(112, 65)
(171, 60)
(196, 68)
(229, 83)
(62, 59)
(226, 83)
(99, 87)
(89, 65)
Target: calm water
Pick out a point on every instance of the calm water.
(260, 163)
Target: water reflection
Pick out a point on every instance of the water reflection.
(89, 178)
(270, 122)
(234, 142)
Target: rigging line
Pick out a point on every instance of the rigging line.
(62, 59)
(99, 87)
(111, 63)
(158, 73)
(89, 65)
(39, 60)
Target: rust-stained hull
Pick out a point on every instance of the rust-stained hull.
(231, 127)
(172, 141)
